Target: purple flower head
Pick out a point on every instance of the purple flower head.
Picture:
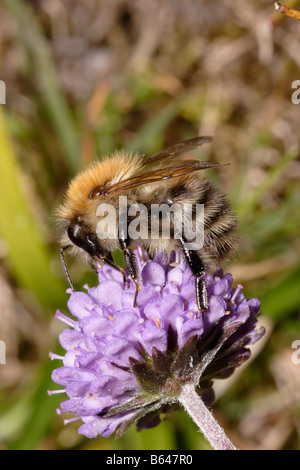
(126, 365)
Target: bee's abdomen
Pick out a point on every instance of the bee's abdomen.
(220, 224)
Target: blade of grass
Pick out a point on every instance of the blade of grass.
(27, 253)
(13, 418)
(36, 46)
(246, 206)
(285, 10)
(150, 137)
(41, 410)
(148, 439)
(283, 298)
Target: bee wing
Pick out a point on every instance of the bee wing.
(181, 169)
(176, 150)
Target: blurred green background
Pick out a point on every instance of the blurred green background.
(86, 77)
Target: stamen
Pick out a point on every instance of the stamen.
(55, 392)
(157, 321)
(71, 420)
(237, 291)
(68, 321)
(55, 356)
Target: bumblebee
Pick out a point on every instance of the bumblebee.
(166, 177)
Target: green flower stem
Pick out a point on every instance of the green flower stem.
(201, 415)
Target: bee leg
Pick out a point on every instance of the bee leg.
(201, 294)
(107, 259)
(130, 261)
(197, 267)
(92, 266)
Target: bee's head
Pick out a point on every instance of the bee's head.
(81, 236)
(76, 218)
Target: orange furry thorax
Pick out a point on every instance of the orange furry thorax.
(114, 168)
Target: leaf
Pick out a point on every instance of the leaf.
(161, 362)
(150, 380)
(186, 360)
(137, 402)
(142, 413)
(27, 253)
(35, 44)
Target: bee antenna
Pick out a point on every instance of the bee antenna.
(62, 257)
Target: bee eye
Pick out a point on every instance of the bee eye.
(76, 236)
(82, 238)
